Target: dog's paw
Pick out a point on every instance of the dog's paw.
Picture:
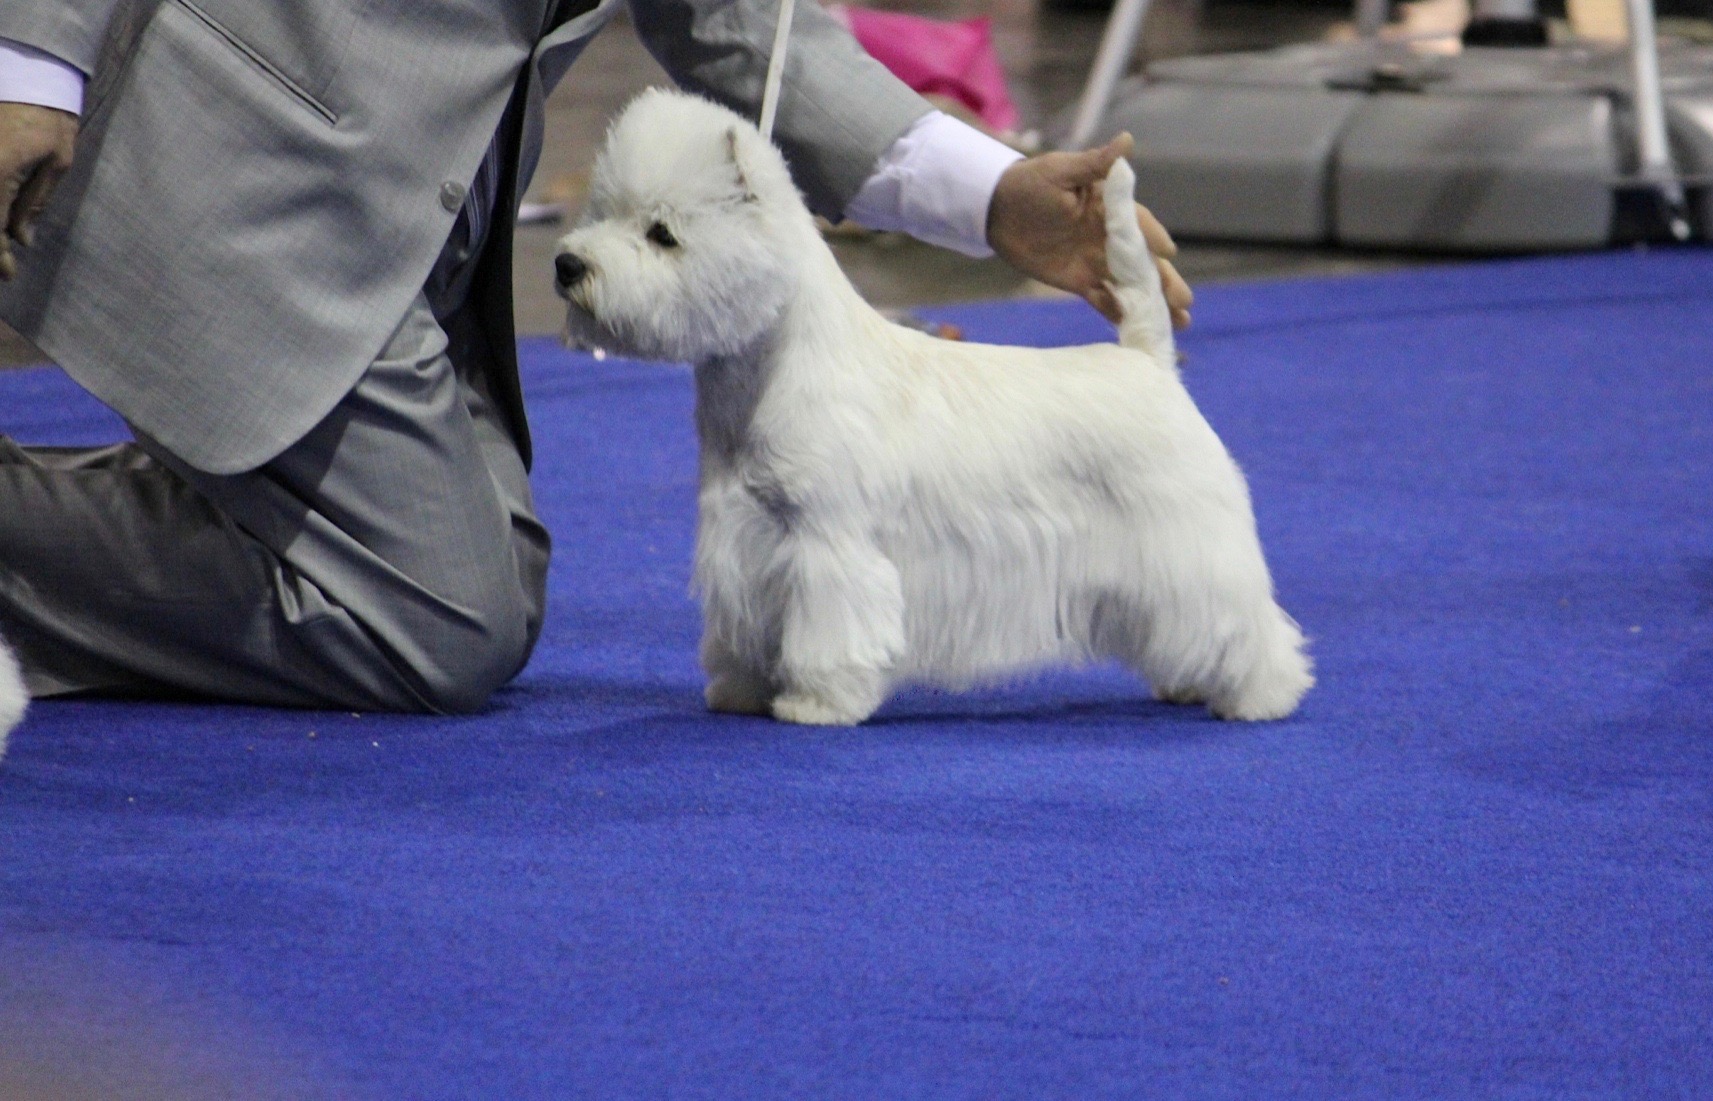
(1183, 697)
(1252, 711)
(737, 695)
(1271, 699)
(800, 707)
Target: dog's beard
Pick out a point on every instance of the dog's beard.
(613, 333)
(582, 331)
(660, 326)
(586, 330)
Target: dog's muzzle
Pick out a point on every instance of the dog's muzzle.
(570, 270)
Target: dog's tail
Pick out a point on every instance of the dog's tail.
(1147, 324)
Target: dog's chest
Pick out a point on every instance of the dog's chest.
(728, 392)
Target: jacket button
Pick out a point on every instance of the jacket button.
(451, 197)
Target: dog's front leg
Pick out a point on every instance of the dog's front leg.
(734, 685)
(842, 630)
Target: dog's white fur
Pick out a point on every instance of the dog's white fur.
(13, 697)
(878, 506)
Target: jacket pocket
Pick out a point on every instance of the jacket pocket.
(292, 86)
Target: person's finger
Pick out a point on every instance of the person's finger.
(1180, 319)
(1179, 296)
(1092, 259)
(9, 188)
(1160, 241)
(32, 199)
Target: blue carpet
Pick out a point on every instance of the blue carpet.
(1478, 863)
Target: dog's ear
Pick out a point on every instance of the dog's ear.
(734, 150)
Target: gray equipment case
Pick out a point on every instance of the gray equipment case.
(1513, 149)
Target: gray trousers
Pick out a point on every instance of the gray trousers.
(390, 560)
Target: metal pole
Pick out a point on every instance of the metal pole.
(1504, 9)
(776, 68)
(1117, 44)
(1371, 16)
(1653, 150)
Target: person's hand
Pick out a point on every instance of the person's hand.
(35, 151)
(1047, 220)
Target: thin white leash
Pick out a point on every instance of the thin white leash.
(776, 68)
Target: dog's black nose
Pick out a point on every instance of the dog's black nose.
(571, 269)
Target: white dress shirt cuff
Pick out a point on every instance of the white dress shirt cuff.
(27, 75)
(935, 183)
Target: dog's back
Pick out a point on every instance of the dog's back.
(1147, 324)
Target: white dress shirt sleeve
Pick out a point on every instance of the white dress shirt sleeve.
(27, 75)
(935, 184)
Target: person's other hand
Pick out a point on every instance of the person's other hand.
(1048, 221)
(35, 151)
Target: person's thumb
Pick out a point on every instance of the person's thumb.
(1093, 164)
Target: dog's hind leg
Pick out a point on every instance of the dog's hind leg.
(1233, 660)
(1119, 627)
(1205, 629)
(1264, 671)
(1243, 659)
(842, 632)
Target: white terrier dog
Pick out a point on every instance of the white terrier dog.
(880, 507)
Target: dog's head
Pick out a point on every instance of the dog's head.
(686, 248)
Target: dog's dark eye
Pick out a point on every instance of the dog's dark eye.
(660, 235)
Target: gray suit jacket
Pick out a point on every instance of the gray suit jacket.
(262, 188)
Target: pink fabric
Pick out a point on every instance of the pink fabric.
(955, 60)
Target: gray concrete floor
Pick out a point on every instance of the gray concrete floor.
(1046, 52)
